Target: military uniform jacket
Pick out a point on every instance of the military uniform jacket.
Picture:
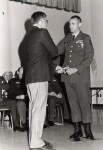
(78, 54)
(17, 87)
(41, 49)
(4, 86)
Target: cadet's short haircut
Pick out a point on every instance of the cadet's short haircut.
(77, 17)
(37, 16)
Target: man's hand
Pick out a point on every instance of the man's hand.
(71, 71)
(20, 97)
(52, 93)
(59, 70)
(59, 95)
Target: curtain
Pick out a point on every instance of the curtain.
(68, 5)
(26, 1)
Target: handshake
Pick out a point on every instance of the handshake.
(65, 70)
(61, 70)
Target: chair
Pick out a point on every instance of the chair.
(3, 110)
(59, 113)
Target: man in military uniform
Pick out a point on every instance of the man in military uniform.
(76, 76)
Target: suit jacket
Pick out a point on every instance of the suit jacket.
(78, 54)
(41, 49)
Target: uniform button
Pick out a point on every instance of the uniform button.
(70, 55)
(70, 61)
(71, 45)
(71, 51)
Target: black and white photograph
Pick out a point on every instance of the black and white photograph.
(51, 75)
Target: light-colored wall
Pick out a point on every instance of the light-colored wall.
(97, 28)
(5, 54)
(19, 14)
(97, 15)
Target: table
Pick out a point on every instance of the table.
(97, 89)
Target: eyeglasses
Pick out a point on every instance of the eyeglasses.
(45, 20)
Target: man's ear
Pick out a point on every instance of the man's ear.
(80, 24)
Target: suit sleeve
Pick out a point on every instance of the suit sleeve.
(61, 48)
(88, 56)
(61, 45)
(48, 43)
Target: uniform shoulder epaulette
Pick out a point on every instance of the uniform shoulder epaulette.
(86, 35)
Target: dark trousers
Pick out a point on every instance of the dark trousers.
(21, 108)
(11, 104)
(52, 101)
(79, 99)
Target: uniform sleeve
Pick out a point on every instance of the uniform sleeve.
(48, 43)
(3, 84)
(88, 56)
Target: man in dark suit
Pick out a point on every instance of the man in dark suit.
(76, 76)
(41, 49)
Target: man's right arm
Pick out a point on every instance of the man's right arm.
(48, 43)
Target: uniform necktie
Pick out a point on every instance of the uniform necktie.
(73, 37)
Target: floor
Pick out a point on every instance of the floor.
(58, 135)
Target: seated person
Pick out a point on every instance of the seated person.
(18, 92)
(7, 76)
(6, 102)
(55, 96)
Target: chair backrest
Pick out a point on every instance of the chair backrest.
(3, 108)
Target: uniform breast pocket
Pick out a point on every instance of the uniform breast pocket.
(80, 47)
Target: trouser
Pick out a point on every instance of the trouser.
(37, 93)
(79, 100)
(11, 104)
(52, 101)
(21, 108)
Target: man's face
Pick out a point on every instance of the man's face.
(74, 25)
(8, 76)
(20, 73)
(44, 22)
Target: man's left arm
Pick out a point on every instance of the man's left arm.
(88, 56)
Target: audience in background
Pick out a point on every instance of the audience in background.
(6, 102)
(17, 92)
(14, 91)
(55, 96)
